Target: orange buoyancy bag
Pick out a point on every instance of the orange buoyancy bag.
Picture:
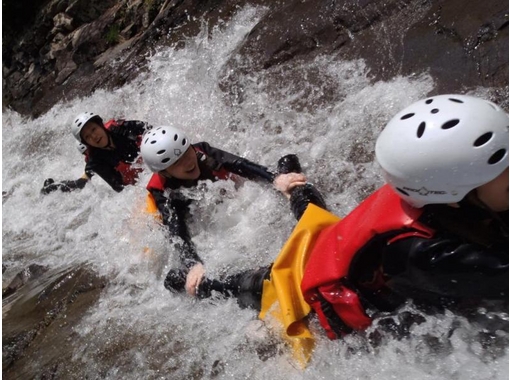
(325, 285)
(281, 294)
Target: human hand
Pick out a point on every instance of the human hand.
(284, 183)
(194, 278)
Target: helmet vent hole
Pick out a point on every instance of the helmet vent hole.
(483, 139)
(497, 157)
(455, 100)
(163, 131)
(403, 191)
(176, 137)
(147, 139)
(160, 152)
(407, 116)
(153, 142)
(421, 129)
(79, 124)
(428, 101)
(450, 124)
(183, 142)
(165, 160)
(435, 110)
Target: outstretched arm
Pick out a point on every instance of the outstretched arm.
(236, 164)
(174, 212)
(50, 186)
(300, 192)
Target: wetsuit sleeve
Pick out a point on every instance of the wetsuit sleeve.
(448, 267)
(108, 173)
(237, 165)
(174, 211)
(64, 186)
(301, 196)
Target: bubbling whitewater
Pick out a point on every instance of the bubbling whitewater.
(138, 329)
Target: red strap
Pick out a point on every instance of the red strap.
(157, 182)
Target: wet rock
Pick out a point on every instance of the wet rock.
(31, 273)
(62, 22)
(39, 319)
(463, 44)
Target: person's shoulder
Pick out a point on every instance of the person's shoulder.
(201, 144)
(205, 147)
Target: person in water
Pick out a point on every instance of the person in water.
(112, 152)
(435, 233)
(178, 164)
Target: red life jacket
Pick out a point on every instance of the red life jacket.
(325, 283)
(128, 172)
(157, 181)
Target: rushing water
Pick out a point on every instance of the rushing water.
(327, 112)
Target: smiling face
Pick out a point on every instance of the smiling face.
(185, 167)
(94, 135)
(495, 193)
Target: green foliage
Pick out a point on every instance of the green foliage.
(113, 35)
(149, 4)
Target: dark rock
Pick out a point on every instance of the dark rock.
(38, 324)
(31, 273)
(463, 44)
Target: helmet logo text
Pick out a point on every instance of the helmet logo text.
(424, 191)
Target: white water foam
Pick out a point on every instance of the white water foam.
(328, 112)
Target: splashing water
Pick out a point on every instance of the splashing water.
(327, 111)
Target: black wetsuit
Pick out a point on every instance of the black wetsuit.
(466, 260)
(174, 207)
(125, 135)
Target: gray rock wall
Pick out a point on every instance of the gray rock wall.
(65, 50)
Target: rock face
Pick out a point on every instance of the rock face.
(38, 331)
(65, 48)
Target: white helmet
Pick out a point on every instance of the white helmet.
(439, 149)
(82, 148)
(80, 121)
(162, 147)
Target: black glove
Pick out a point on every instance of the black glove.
(65, 186)
(49, 186)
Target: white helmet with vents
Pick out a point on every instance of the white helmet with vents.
(162, 147)
(80, 121)
(82, 148)
(440, 148)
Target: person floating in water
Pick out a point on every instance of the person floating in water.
(435, 233)
(179, 164)
(112, 151)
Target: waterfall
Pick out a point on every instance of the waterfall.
(326, 111)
